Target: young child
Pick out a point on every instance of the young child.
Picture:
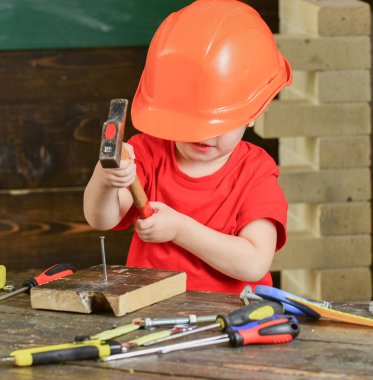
(219, 213)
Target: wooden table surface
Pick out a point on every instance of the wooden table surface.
(323, 350)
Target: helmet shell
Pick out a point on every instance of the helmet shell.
(211, 67)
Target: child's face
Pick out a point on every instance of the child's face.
(211, 149)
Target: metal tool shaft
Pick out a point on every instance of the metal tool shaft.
(14, 293)
(168, 348)
(102, 238)
(184, 333)
(188, 320)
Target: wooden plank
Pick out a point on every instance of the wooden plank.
(127, 289)
(69, 76)
(41, 228)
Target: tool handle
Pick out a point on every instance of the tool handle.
(91, 349)
(53, 273)
(138, 194)
(251, 312)
(112, 151)
(272, 330)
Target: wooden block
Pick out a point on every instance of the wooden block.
(327, 17)
(304, 250)
(326, 152)
(330, 86)
(304, 118)
(303, 185)
(325, 53)
(128, 289)
(351, 284)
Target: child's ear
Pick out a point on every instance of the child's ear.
(251, 124)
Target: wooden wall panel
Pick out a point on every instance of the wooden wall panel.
(44, 227)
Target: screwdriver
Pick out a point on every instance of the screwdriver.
(82, 348)
(238, 317)
(272, 330)
(89, 349)
(52, 273)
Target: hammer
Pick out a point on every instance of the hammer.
(112, 151)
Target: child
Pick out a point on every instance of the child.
(220, 215)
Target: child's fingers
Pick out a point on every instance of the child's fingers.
(130, 150)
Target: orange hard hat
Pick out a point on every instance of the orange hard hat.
(211, 67)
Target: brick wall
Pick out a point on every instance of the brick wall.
(323, 122)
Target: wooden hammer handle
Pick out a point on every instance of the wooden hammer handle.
(138, 194)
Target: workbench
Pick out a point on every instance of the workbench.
(323, 350)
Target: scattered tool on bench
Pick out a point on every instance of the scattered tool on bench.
(188, 320)
(297, 305)
(101, 345)
(2, 276)
(89, 349)
(53, 273)
(239, 317)
(83, 348)
(277, 295)
(333, 314)
(112, 151)
(272, 330)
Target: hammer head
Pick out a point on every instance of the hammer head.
(113, 134)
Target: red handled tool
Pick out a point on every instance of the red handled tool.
(53, 273)
(112, 151)
(272, 330)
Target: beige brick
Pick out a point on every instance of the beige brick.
(331, 219)
(325, 53)
(343, 218)
(325, 186)
(327, 17)
(298, 151)
(334, 86)
(303, 118)
(352, 284)
(304, 250)
(326, 152)
(344, 152)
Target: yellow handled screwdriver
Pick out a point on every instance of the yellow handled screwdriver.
(89, 349)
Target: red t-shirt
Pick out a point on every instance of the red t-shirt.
(243, 190)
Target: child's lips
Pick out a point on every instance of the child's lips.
(201, 147)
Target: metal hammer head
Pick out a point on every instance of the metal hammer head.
(113, 134)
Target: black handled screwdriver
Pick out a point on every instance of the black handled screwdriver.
(52, 273)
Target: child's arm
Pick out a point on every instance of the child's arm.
(246, 257)
(106, 197)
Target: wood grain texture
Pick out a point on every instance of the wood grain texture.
(127, 289)
(42, 228)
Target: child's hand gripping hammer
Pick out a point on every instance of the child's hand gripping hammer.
(112, 151)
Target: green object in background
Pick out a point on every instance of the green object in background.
(42, 24)
(2, 276)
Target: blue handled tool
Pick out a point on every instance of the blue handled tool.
(278, 295)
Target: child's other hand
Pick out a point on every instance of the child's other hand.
(122, 176)
(160, 227)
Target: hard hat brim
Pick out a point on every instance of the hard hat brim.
(175, 126)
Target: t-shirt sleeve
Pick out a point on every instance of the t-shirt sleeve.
(265, 199)
(140, 153)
